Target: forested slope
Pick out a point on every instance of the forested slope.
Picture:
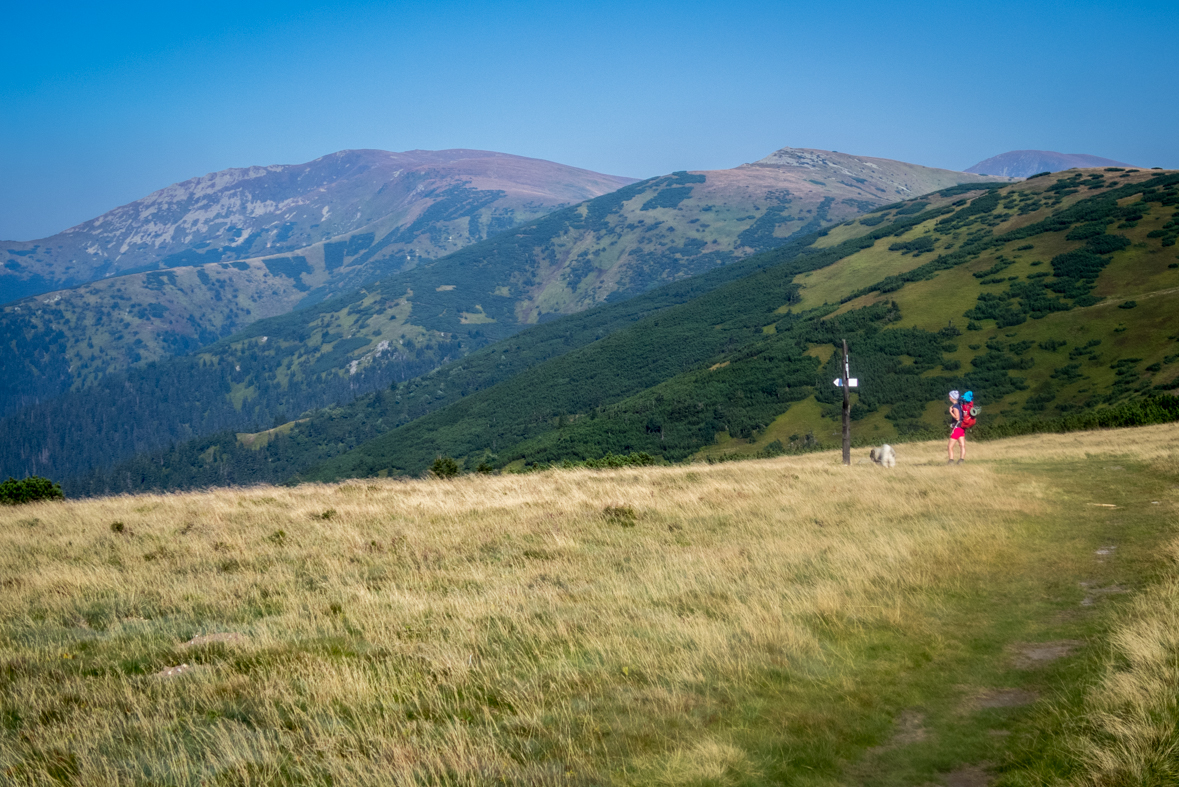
(202, 291)
(275, 455)
(1048, 298)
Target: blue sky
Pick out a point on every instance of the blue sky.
(101, 104)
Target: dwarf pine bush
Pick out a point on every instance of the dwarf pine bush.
(29, 490)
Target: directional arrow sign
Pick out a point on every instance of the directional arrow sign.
(852, 382)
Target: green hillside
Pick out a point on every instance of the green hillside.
(1048, 297)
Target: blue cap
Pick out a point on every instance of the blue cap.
(968, 396)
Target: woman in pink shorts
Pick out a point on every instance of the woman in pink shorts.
(959, 434)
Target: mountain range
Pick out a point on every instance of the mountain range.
(100, 340)
(1050, 298)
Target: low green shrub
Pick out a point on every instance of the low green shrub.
(29, 490)
(637, 459)
(444, 467)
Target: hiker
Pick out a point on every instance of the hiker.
(958, 435)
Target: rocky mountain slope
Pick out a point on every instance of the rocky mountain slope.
(1025, 163)
(437, 200)
(609, 248)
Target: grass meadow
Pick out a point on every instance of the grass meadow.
(787, 621)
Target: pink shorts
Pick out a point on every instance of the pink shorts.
(958, 433)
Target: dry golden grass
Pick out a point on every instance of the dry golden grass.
(524, 628)
(1131, 730)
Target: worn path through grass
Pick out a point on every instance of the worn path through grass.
(786, 621)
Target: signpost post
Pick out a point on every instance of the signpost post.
(846, 409)
(846, 382)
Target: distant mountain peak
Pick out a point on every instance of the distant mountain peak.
(1025, 163)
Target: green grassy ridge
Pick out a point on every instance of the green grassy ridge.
(1002, 369)
(681, 414)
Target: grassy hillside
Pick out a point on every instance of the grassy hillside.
(788, 621)
(613, 247)
(1046, 298)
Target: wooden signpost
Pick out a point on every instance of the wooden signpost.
(846, 382)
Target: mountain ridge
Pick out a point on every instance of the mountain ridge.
(254, 211)
(1018, 292)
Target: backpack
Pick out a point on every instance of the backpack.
(969, 416)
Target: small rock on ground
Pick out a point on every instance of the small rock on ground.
(174, 672)
(1029, 655)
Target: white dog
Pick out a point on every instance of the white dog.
(884, 456)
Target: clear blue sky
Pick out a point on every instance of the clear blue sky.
(102, 103)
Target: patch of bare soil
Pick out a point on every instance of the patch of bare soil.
(970, 776)
(910, 728)
(1094, 594)
(1030, 655)
(1001, 698)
